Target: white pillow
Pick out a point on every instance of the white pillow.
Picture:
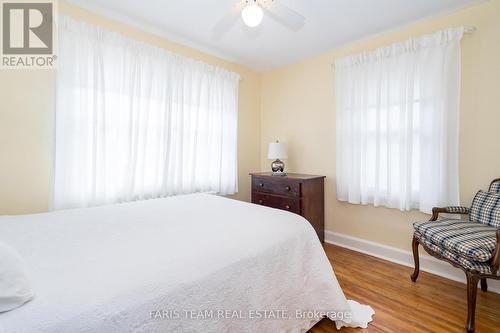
(15, 288)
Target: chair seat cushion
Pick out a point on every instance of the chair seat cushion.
(481, 267)
(470, 240)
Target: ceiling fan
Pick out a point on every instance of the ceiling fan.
(252, 13)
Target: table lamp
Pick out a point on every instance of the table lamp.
(278, 150)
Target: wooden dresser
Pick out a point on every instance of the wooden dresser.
(297, 193)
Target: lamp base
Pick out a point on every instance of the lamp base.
(278, 168)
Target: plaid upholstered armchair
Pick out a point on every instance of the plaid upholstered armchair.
(472, 244)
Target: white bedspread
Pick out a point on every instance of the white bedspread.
(194, 263)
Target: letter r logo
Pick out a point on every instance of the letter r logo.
(27, 27)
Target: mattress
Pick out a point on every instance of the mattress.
(192, 263)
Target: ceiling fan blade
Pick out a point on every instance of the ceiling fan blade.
(226, 22)
(284, 14)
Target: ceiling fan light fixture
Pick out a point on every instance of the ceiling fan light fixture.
(252, 15)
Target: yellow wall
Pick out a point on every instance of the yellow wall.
(26, 111)
(298, 106)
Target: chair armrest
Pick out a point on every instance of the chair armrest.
(448, 210)
(495, 261)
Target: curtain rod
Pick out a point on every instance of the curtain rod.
(467, 30)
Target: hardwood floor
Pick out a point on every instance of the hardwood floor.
(432, 304)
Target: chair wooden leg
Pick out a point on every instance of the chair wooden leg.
(416, 259)
(472, 281)
(484, 285)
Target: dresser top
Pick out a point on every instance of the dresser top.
(294, 176)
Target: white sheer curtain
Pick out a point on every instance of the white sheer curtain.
(134, 121)
(397, 112)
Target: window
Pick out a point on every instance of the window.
(136, 122)
(397, 114)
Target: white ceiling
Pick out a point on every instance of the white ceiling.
(329, 24)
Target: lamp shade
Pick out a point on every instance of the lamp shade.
(277, 150)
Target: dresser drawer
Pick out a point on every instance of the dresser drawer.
(275, 201)
(278, 186)
(297, 193)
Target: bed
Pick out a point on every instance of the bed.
(191, 263)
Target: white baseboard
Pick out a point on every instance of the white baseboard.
(405, 258)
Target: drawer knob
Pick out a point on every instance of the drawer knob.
(261, 202)
(287, 207)
(261, 184)
(288, 188)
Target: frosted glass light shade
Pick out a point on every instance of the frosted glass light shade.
(277, 150)
(252, 15)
